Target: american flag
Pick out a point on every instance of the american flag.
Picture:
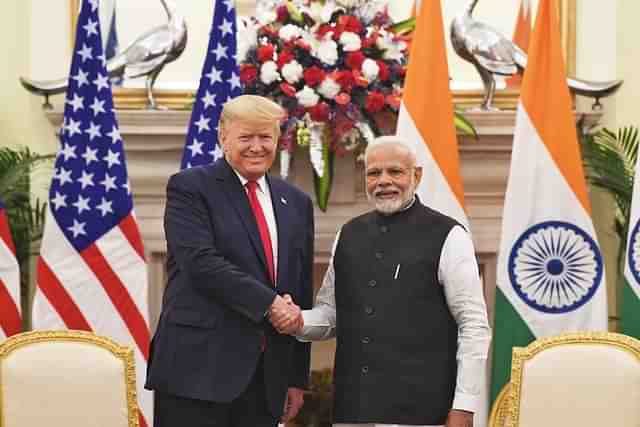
(219, 82)
(91, 274)
(10, 322)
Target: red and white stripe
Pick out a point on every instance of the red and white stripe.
(10, 320)
(102, 289)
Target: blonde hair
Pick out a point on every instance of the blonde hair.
(253, 109)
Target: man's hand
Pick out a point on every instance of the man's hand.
(292, 404)
(459, 418)
(285, 315)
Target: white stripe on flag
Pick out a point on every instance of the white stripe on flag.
(538, 192)
(127, 265)
(434, 189)
(9, 272)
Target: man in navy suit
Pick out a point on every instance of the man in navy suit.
(240, 253)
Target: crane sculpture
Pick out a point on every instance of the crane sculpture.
(492, 53)
(145, 56)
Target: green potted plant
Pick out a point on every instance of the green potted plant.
(26, 215)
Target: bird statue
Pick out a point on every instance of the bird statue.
(145, 56)
(492, 53)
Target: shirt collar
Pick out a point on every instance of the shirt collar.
(262, 181)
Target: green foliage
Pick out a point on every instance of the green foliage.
(26, 216)
(610, 160)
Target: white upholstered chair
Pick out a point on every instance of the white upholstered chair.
(66, 378)
(579, 379)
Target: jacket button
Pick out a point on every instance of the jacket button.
(384, 229)
(366, 340)
(368, 310)
(378, 255)
(365, 369)
(372, 284)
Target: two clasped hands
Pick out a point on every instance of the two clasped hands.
(285, 315)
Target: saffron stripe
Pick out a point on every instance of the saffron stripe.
(119, 296)
(131, 231)
(10, 315)
(5, 233)
(60, 299)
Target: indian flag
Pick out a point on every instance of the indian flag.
(630, 313)
(550, 275)
(426, 115)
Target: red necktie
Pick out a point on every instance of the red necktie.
(262, 227)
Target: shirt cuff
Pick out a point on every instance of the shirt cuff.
(465, 402)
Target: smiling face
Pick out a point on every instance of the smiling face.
(250, 147)
(392, 177)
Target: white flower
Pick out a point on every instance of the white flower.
(292, 71)
(328, 52)
(307, 97)
(247, 37)
(370, 69)
(289, 32)
(392, 49)
(348, 3)
(329, 88)
(350, 41)
(269, 72)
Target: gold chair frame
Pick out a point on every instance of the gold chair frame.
(125, 354)
(499, 410)
(523, 354)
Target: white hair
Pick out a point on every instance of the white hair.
(391, 141)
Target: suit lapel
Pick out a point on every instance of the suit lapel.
(238, 198)
(282, 212)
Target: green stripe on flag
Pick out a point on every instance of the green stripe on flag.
(509, 331)
(630, 316)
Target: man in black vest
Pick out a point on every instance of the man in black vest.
(402, 296)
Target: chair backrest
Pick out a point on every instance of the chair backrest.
(499, 411)
(578, 379)
(66, 378)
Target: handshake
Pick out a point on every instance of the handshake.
(285, 315)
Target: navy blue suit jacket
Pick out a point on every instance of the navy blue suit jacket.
(212, 324)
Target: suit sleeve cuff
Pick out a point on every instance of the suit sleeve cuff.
(465, 402)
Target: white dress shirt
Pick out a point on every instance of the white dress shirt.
(458, 274)
(264, 198)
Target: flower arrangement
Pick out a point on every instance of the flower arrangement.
(338, 68)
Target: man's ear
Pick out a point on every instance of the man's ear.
(418, 174)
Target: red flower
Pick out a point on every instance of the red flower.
(265, 52)
(374, 102)
(303, 44)
(248, 73)
(383, 74)
(323, 30)
(343, 98)
(350, 23)
(393, 101)
(344, 79)
(354, 60)
(284, 58)
(314, 76)
(359, 79)
(320, 112)
(283, 13)
(287, 89)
